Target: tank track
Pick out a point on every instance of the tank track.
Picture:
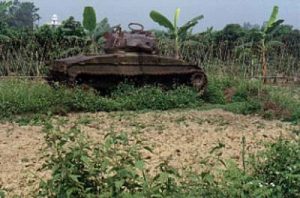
(198, 80)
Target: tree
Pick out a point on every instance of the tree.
(95, 30)
(22, 15)
(177, 33)
(71, 27)
(4, 5)
(89, 19)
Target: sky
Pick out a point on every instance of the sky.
(217, 13)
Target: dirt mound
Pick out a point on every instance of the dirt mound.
(185, 138)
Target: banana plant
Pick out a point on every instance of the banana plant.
(89, 19)
(267, 31)
(262, 41)
(4, 5)
(179, 34)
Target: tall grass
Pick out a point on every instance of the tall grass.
(28, 54)
(244, 62)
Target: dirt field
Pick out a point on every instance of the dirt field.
(185, 138)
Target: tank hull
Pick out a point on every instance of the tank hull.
(104, 71)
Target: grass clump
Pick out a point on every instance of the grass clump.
(130, 98)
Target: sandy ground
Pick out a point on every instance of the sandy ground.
(184, 138)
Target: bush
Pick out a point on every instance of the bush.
(247, 107)
(19, 97)
(215, 90)
(23, 97)
(279, 166)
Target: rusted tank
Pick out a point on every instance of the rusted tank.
(129, 56)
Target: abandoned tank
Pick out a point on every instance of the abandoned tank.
(129, 56)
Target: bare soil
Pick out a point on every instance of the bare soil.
(183, 138)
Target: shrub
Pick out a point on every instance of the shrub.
(22, 97)
(279, 166)
(215, 91)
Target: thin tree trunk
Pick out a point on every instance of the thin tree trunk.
(264, 66)
(177, 48)
(264, 62)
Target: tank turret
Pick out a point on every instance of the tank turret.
(137, 40)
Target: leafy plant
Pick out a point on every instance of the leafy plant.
(279, 166)
(112, 169)
(263, 40)
(89, 19)
(270, 28)
(115, 168)
(177, 33)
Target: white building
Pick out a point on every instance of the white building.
(54, 21)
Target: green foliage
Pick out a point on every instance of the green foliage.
(4, 5)
(161, 20)
(112, 169)
(247, 97)
(183, 30)
(89, 19)
(130, 98)
(22, 14)
(102, 27)
(248, 107)
(272, 20)
(179, 34)
(215, 91)
(279, 166)
(2, 194)
(21, 97)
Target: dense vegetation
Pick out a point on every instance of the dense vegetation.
(19, 97)
(236, 49)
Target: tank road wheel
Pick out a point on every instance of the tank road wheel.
(199, 82)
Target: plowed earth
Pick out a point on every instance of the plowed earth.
(184, 138)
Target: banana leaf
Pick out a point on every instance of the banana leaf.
(272, 18)
(176, 18)
(183, 29)
(161, 20)
(274, 27)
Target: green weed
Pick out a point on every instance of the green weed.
(279, 166)
(113, 169)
